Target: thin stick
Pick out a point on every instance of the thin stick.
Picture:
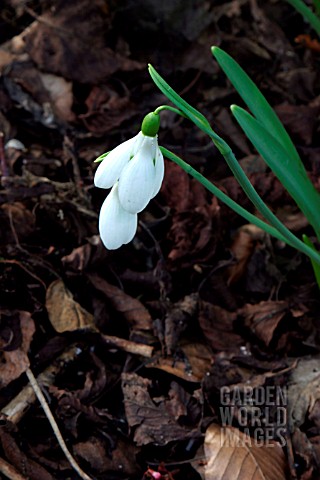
(17, 407)
(54, 425)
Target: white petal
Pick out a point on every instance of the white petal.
(116, 226)
(159, 167)
(136, 183)
(111, 167)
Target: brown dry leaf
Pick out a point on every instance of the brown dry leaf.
(53, 46)
(65, 314)
(131, 308)
(93, 451)
(193, 369)
(30, 469)
(304, 414)
(233, 455)
(177, 320)
(217, 326)
(5, 59)
(242, 247)
(122, 458)
(193, 232)
(299, 119)
(264, 317)
(60, 92)
(106, 109)
(303, 392)
(15, 362)
(153, 419)
(20, 222)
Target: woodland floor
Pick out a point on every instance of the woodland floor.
(137, 344)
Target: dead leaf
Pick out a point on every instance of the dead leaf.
(65, 314)
(152, 419)
(93, 451)
(230, 454)
(85, 58)
(300, 120)
(60, 92)
(131, 308)
(16, 362)
(303, 392)
(20, 222)
(106, 109)
(217, 326)
(22, 462)
(197, 363)
(264, 317)
(177, 320)
(194, 218)
(122, 458)
(242, 247)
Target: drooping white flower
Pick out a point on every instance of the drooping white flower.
(141, 178)
(111, 167)
(135, 169)
(116, 225)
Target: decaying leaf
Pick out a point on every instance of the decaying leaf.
(152, 419)
(193, 368)
(65, 314)
(131, 308)
(194, 217)
(217, 326)
(60, 91)
(85, 58)
(15, 362)
(177, 320)
(242, 248)
(230, 454)
(303, 392)
(264, 317)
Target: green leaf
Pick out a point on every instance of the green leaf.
(294, 179)
(308, 14)
(194, 115)
(101, 158)
(315, 265)
(199, 120)
(255, 101)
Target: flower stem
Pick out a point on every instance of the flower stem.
(168, 107)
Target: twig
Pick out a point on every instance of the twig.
(9, 471)
(129, 346)
(18, 406)
(54, 425)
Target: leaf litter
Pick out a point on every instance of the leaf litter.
(134, 347)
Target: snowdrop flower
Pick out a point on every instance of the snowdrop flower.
(116, 225)
(135, 170)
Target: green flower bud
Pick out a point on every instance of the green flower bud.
(150, 125)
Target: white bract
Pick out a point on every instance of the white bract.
(135, 170)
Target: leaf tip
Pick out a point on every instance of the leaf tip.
(215, 50)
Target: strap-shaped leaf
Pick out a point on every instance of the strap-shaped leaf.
(307, 13)
(198, 119)
(315, 265)
(255, 101)
(293, 177)
(194, 115)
